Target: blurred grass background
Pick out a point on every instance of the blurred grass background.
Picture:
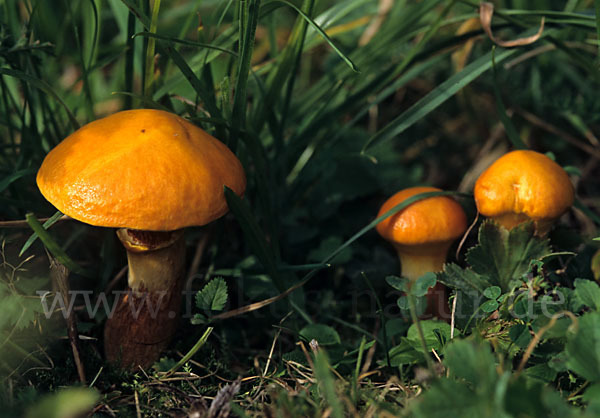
(332, 106)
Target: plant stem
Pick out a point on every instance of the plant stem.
(415, 319)
(201, 341)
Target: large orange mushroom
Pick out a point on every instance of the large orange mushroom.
(524, 186)
(149, 173)
(422, 234)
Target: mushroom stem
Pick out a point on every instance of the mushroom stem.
(510, 220)
(145, 318)
(415, 264)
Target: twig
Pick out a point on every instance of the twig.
(60, 274)
(197, 258)
(538, 336)
(137, 404)
(466, 234)
(452, 319)
(24, 224)
(113, 283)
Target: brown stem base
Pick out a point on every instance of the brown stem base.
(437, 303)
(141, 327)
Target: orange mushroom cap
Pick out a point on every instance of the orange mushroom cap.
(523, 185)
(141, 169)
(431, 222)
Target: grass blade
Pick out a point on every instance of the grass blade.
(54, 248)
(509, 127)
(238, 113)
(201, 341)
(186, 42)
(275, 4)
(256, 238)
(326, 383)
(149, 79)
(45, 87)
(53, 219)
(209, 100)
(7, 181)
(435, 98)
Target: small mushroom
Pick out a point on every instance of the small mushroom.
(524, 186)
(149, 173)
(422, 233)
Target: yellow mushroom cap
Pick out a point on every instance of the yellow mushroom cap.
(431, 222)
(141, 169)
(521, 185)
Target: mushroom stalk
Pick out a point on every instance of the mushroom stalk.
(415, 264)
(145, 318)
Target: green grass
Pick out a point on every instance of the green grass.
(327, 127)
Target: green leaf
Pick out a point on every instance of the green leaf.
(70, 402)
(472, 362)
(541, 372)
(199, 319)
(520, 335)
(213, 295)
(583, 348)
(404, 353)
(463, 279)
(404, 304)
(396, 326)
(492, 292)
(423, 284)
(18, 311)
(588, 292)
(489, 306)
(399, 283)
(469, 291)
(487, 393)
(323, 334)
(592, 394)
(436, 333)
(504, 255)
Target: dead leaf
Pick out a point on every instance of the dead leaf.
(486, 11)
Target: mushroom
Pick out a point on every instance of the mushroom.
(524, 186)
(149, 173)
(422, 233)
